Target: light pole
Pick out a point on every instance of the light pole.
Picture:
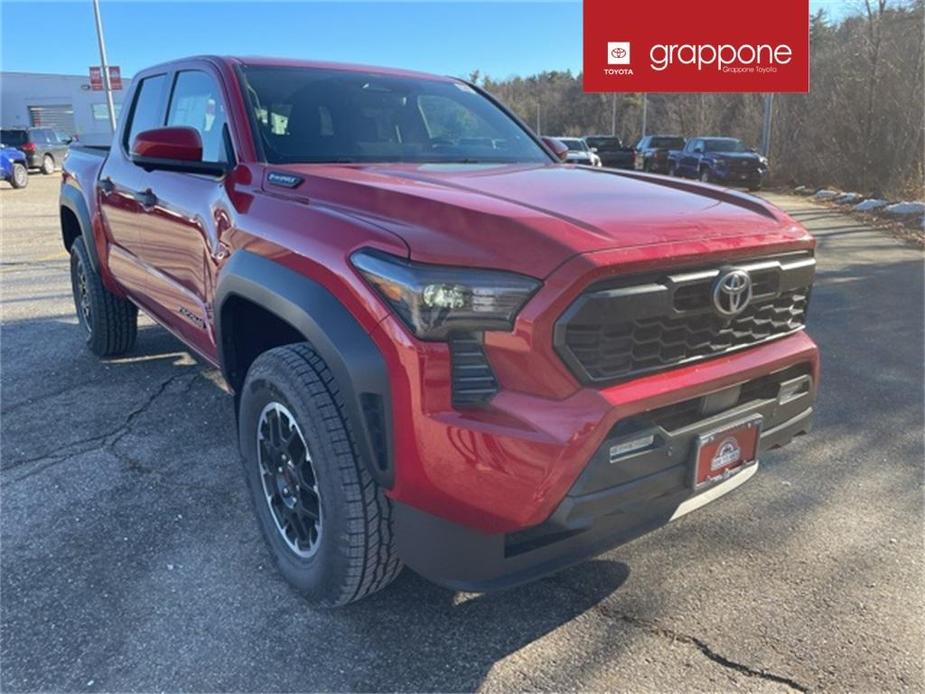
(104, 65)
(613, 113)
(645, 104)
(766, 124)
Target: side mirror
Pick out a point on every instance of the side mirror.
(557, 147)
(177, 148)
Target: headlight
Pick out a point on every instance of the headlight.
(435, 299)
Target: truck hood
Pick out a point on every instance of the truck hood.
(531, 218)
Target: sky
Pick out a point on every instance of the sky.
(500, 39)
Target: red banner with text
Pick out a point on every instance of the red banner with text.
(686, 46)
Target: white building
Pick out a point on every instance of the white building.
(63, 102)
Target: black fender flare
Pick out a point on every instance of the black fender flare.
(348, 350)
(72, 199)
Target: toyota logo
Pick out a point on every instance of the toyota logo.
(618, 52)
(731, 292)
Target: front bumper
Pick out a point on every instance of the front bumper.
(618, 496)
(733, 176)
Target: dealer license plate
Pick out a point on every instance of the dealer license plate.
(723, 452)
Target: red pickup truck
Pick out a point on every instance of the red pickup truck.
(448, 348)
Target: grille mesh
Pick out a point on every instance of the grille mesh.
(624, 332)
(645, 344)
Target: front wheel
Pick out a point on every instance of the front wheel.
(19, 177)
(48, 165)
(327, 523)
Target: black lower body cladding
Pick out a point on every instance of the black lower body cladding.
(346, 348)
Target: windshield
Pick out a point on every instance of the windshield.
(573, 144)
(325, 115)
(14, 138)
(724, 146)
(667, 142)
(604, 144)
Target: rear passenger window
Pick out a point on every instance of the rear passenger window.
(148, 111)
(197, 102)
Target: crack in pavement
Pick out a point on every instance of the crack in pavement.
(705, 649)
(88, 444)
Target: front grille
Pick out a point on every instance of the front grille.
(643, 324)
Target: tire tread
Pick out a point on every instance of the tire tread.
(373, 560)
(115, 319)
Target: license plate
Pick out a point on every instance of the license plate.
(723, 452)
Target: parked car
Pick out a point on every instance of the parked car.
(42, 146)
(611, 150)
(719, 160)
(579, 152)
(466, 357)
(652, 152)
(13, 167)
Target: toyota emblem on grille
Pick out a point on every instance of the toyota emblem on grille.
(732, 291)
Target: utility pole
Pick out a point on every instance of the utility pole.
(613, 113)
(645, 103)
(766, 124)
(104, 65)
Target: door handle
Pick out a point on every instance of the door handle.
(106, 185)
(147, 198)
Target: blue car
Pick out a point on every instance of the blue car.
(13, 167)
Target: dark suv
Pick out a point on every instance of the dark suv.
(44, 148)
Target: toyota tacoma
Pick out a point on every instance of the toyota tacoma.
(448, 349)
(719, 160)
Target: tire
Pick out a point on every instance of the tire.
(19, 178)
(48, 165)
(332, 537)
(705, 176)
(754, 187)
(109, 322)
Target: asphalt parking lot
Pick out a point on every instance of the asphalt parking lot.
(131, 560)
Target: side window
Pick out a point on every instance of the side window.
(197, 102)
(148, 111)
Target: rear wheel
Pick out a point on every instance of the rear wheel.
(19, 177)
(109, 322)
(48, 164)
(326, 522)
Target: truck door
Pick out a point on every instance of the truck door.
(120, 208)
(185, 214)
(686, 162)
